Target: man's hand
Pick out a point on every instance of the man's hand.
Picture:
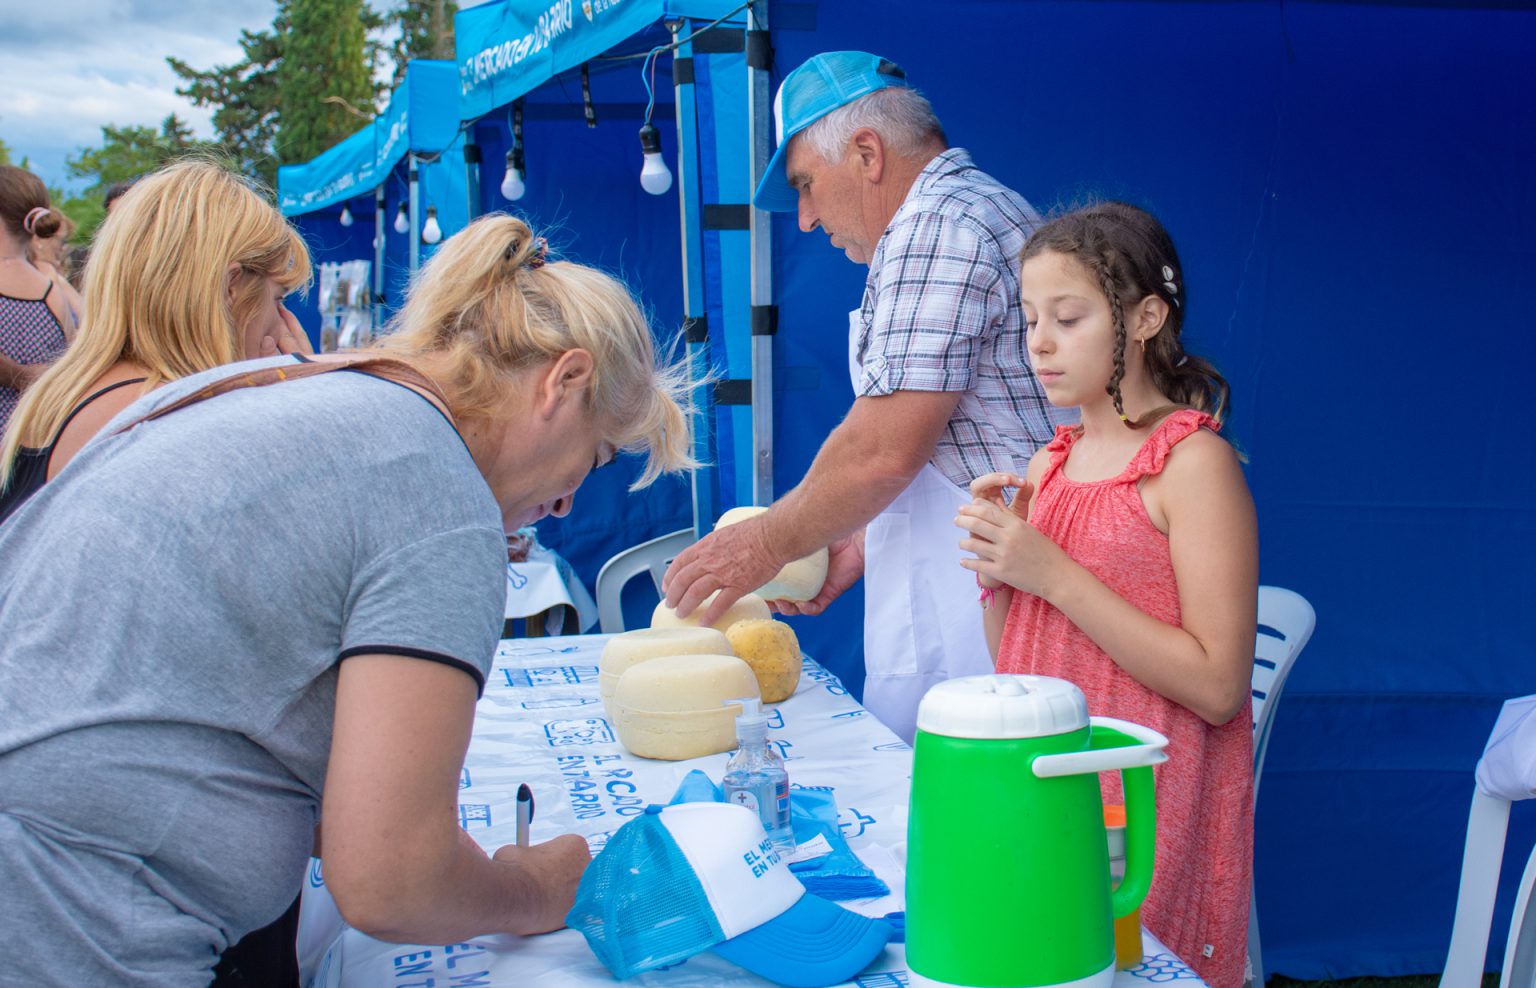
(735, 560)
(844, 568)
(551, 872)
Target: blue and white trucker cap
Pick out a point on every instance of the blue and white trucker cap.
(679, 880)
(824, 83)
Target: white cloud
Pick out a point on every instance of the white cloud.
(69, 67)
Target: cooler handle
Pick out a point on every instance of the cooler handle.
(1140, 841)
(1145, 749)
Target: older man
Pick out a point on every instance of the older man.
(943, 386)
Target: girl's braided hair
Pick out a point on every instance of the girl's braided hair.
(1131, 257)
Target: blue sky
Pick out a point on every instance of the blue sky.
(67, 67)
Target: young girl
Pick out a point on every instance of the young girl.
(1135, 574)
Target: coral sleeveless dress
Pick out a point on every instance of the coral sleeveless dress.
(1198, 904)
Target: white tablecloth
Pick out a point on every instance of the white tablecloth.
(545, 580)
(541, 722)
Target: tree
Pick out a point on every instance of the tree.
(125, 154)
(244, 97)
(426, 31)
(323, 78)
(247, 95)
(5, 154)
(129, 152)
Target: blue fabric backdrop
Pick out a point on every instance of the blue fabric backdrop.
(1349, 188)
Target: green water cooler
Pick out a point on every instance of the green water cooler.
(1008, 880)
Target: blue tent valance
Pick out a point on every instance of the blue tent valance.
(507, 48)
(421, 117)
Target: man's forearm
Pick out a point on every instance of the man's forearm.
(838, 496)
(865, 463)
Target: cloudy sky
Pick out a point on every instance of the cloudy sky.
(69, 66)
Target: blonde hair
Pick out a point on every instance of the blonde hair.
(489, 304)
(155, 289)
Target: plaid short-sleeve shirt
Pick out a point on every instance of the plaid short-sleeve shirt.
(941, 312)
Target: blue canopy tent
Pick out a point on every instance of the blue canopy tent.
(568, 91)
(407, 161)
(1349, 187)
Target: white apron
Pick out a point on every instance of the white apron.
(922, 623)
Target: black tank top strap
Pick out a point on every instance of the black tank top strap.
(86, 401)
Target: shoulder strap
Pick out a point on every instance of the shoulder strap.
(389, 368)
(86, 401)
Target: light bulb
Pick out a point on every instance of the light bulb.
(655, 177)
(346, 216)
(402, 220)
(512, 186)
(431, 233)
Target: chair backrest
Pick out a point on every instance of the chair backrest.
(1520, 948)
(1286, 621)
(653, 556)
(1509, 746)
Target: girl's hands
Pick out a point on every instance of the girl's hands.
(988, 489)
(1009, 551)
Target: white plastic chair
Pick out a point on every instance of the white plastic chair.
(653, 556)
(1513, 742)
(1286, 621)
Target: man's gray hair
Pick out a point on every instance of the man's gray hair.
(902, 117)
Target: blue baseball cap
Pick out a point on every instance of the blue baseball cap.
(679, 880)
(824, 83)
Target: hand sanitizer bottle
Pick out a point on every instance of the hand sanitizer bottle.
(755, 776)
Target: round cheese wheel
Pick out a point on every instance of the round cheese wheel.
(773, 652)
(675, 707)
(799, 580)
(750, 607)
(632, 647)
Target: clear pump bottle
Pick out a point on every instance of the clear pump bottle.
(755, 776)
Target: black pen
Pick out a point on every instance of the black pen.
(524, 813)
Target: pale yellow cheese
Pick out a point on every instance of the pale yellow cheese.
(773, 652)
(674, 707)
(799, 580)
(632, 647)
(749, 608)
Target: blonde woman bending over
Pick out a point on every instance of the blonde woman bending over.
(188, 272)
(291, 624)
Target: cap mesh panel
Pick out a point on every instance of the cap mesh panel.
(639, 904)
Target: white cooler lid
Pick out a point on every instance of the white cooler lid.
(1002, 706)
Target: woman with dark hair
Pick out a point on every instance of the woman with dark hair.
(32, 314)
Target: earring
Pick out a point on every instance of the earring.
(1143, 342)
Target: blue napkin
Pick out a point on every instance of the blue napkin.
(812, 813)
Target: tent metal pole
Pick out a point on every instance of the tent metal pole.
(760, 245)
(706, 477)
(415, 215)
(472, 175)
(379, 228)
